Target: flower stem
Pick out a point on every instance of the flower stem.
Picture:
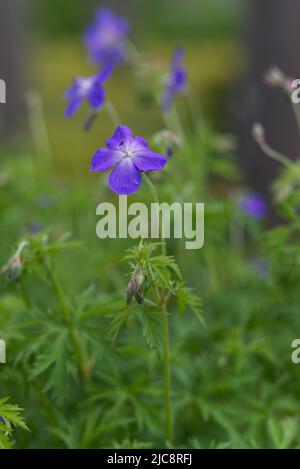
(113, 114)
(275, 155)
(66, 314)
(25, 296)
(167, 377)
(165, 336)
(156, 200)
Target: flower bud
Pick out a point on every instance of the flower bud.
(140, 278)
(274, 77)
(136, 286)
(13, 269)
(129, 292)
(258, 133)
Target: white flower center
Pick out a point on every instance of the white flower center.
(85, 84)
(108, 37)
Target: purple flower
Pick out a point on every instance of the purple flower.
(176, 81)
(255, 206)
(104, 38)
(129, 156)
(89, 88)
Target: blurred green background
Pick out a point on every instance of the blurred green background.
(208, 29)
(234, 384)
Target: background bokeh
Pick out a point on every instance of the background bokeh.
(233, 382)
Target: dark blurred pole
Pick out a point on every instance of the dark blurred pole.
(12, 64)
(274, 40)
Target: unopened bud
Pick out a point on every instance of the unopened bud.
(129, 292)
(274, 77)
(136, 286)
(288, 85)
(140, 278)
(13, 269)
(258, 133)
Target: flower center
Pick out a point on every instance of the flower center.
(125, 150)
(108, 37)
(128, 153)
(85, 84)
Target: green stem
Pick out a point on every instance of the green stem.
(173, 122)
(44, 402)
(113, 114)
(166, 342)
(277, 156)
(39, 132)
(156, 200)
(25, 296)
(60, 296)
(171, 118)
(66, 315)
(167, 377)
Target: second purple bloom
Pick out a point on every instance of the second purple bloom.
(105, 38)
(87, 88)
(176, 81)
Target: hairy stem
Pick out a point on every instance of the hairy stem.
(113, 113)
(166, 343)
(156, 200)
(275, 155)
(167, 377)
(24, 295)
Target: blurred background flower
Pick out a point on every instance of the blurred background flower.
(105, 37)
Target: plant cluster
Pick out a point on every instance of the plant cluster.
(107, 344)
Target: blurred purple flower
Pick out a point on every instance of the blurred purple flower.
(105, 37)
(35, 227)
(176, 81)
(129, 156)
(87, 88)
(45, 201)
(255, 206)
(169, 140)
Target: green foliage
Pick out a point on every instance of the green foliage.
(77, 360)
(85, 336)
(10, 419)
(162, 280)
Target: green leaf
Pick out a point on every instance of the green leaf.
(152, 326)
(11, 419)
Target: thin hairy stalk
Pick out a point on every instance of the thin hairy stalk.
(113, 113)
(39, 130)
(276, 155)
(156, 200)
(24, 295)
(167, 377)
(165, 336)
(171, 118)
